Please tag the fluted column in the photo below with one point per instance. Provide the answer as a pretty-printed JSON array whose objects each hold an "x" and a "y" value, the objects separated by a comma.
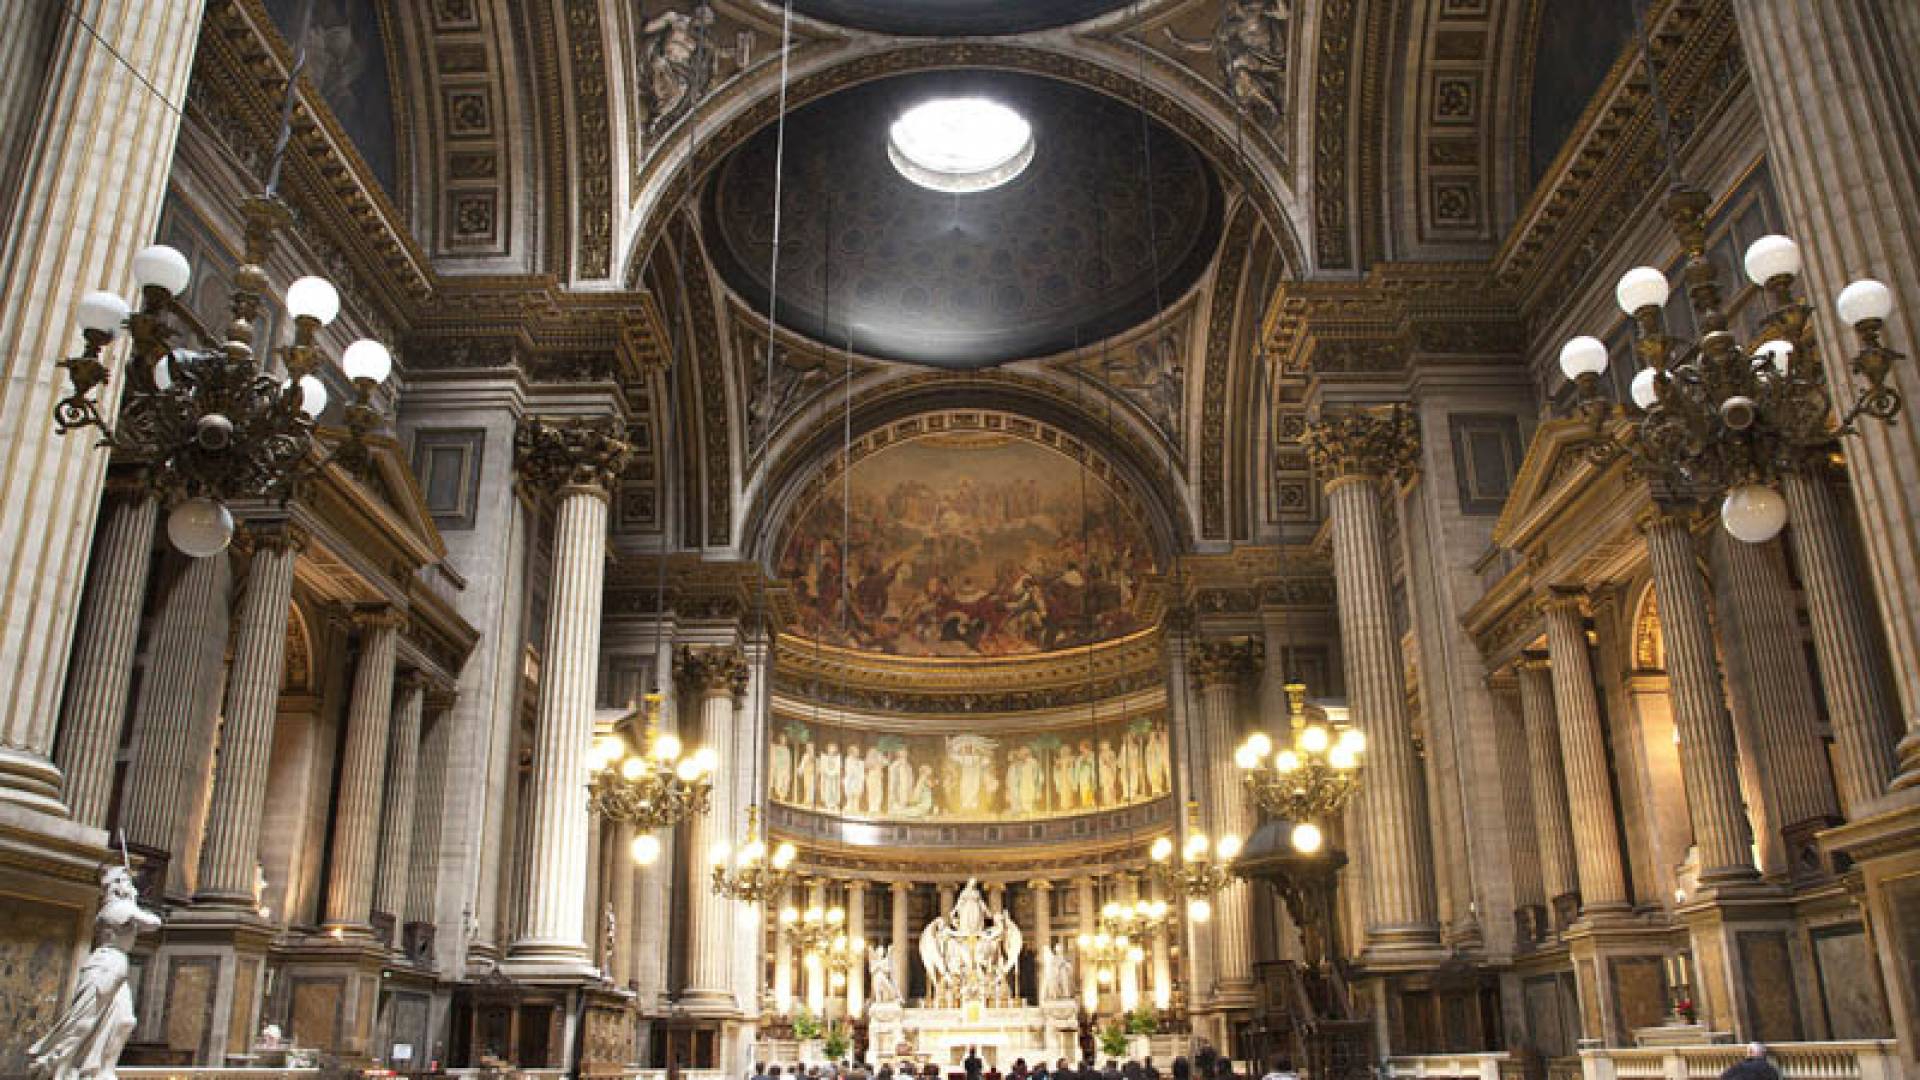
[
  {"x": 857, "y": 931},
  {"x": 1220, "y": 667},
  {"x": 363, "y": 762},
  {"x": 402, "y": 790},
  {"x": 89, "y": 182},
  {"x": 1162, "y": 961},
  {"x": 782, "y": 968},
  {"x": 232, "y": 844},
  {"x": 1042, "y": 934},
  {"x": 423, "y": 875},
  {"x": 1089, "y": 974},
  {"x": 175, "y": 715},
  {"x": 902, "y": 896},
  {"x": 103, "y": 652},
  {"x": 1596, "y": 839},
  {"x": 1547, "y": 780},
  {"x": 1510, "y": 733},
  {"x": 1851, "y": 99},
  {"x": 1762, "y": 626},
  {"x": 1851, "y": 672},
  {"x": 580, "y": 462},
  {"x": 1707, "y": 760},
  {"x": 1129, "y": 978},
  {"x": 713, "y": 677},
  {"x": 810, "y": 962},
  {"x": 1358, "y": 452}
]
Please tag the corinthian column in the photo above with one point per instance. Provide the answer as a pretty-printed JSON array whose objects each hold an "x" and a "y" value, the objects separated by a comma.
[
  {"x": 1548, "y": 783},
  {"x": 713, "y": 677},
  {"x": 1510, "y": 750},
  {"x": 90, "y": 179},
  {"x": 402, "y": 787},
  {"x": 1219, "y": 668},
  {"x": 857, "y": 931},
  {"x": 1851, "y": 672},
  {"x": 1358, "y": 452},
  {"x": 902, "y": 896},
  {"x": 103, "y": 652},
  {"x": 1707, "y": 756},
  {"x": 579, "y": 462},
  {"x": 1851, "y": 99},
  {"x": 423, "y": 876},
  {"x": 356, "y": 817},
  {"x": 1603, "y": 878}
]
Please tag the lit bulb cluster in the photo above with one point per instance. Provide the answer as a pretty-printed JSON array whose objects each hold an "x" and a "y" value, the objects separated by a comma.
[
  {"x": 822, "y": 939},
  {"x": 1717, "y": 419},
  {"x": 656, "y": 786},
  {"x": 751, "y": 873},
  {"x": 210, "y": 423},
  {"x": 1142, "y": 918},
  {"x": 1104, "y": 951},
  {"x": 1204, "y": 867},
  {"x": 1311, "y": 779}
]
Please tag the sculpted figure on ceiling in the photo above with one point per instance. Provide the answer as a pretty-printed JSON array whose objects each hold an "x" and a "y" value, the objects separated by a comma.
[
  {"x": 1250, "y": 44},
  {"x": 676, "y": 62}
]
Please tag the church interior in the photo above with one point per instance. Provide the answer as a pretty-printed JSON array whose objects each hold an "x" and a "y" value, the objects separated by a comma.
[{"x": 651, "y": 538}]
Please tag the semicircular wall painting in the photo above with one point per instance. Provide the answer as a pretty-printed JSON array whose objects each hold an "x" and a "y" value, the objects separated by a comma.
[{"x": 967, "y": 545}]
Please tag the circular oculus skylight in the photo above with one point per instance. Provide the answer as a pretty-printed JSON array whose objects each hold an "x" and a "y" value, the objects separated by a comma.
[{"x": 960, "y": 144}]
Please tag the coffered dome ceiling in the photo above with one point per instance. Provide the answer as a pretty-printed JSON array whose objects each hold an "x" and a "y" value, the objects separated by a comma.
[
  {"x": 952, "y": 17},
  {"x": 1058, "y": 255}
]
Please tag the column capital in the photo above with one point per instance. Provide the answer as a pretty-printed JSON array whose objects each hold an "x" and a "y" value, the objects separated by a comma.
[
  {"x": 1214, "y": 663},
  {"x": 410, "y": 680},
  {"x": 712, "y": 669},
  {"x": 1563, "y": 598},
  {"x": 900, "y": 887},
  {"x": 1364, "y": 443},
  {"x": 271, "y": 534},
  {"x": 579, "y": 452},
  {"x": 1040, "y": 885},
  {"x": 380, "y": 618}
]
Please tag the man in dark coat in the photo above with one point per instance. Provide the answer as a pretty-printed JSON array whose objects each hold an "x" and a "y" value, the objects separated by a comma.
[{"x": 1754, "y": 1066}]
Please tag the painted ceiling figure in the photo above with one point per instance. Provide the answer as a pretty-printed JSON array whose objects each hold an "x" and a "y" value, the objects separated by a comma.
[{"x": 676, "y": 63}]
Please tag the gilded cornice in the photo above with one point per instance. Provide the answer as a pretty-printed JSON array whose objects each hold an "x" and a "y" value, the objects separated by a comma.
[
  {"x": 731, "y": 592},
  {"x": 1250, "y": 579},
  {"x": 1399, "y": 314},
  {"x": 1614, "y": 161},
  {"x": 547, "y": 332}
]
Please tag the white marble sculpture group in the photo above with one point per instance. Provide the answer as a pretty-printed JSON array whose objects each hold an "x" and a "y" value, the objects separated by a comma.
[{"x": 86, "y": 1041}]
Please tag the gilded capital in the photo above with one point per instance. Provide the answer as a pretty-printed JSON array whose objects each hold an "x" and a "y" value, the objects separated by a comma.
[
  {"x": 711, "y": 670},
  {"x": 1214, "y": 663},
  {"x": 576, "y": 451},
  {"x": 276, "y": 535},
  {"x": 1378, "y": 442},
  {"x": 380, "y": 618}
]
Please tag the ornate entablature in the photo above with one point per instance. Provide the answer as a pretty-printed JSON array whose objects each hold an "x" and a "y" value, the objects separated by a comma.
[{"x": 1399, "y": 315}]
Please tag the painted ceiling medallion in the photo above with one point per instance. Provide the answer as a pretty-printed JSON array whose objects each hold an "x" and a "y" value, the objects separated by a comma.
[{"x": 960, "y": 144}]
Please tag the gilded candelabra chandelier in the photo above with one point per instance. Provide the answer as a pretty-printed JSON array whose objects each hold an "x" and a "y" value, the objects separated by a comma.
[
  {"x": 1312, "y": 779},
  {"x": 750, "y": 873},
  {"x": 1139, "y": 919},
  {"x": 212, "y": 424},
  {"x": 821, "y": 936},
  {"x": 652, "y": 786},
  {"x": 1204, "y": 866},
  {"x": 1106, "y": 949},
  {"x": 1720, "y": 419}
]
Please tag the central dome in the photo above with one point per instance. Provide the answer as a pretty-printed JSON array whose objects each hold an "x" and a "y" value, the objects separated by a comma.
[{"x": 1052, "y": 255}]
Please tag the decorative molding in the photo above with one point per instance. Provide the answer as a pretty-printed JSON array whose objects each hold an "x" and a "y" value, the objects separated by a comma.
[
  {"x": 718, "y": 669},
  {"x": 1365, "y": 443},
  {"x": 1227, "y": 662},
  {"x": 1229, "y": 277},
  {"x": 557, "y": 453}
]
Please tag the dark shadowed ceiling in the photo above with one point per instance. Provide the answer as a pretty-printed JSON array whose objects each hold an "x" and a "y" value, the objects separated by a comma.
[
  {"x": 1057, "y": 256},
  {"x": 950, "y": 17}
]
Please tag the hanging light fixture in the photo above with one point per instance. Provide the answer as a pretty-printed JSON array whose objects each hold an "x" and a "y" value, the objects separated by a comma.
[
  {"x": 751, "y": 873},
  {"x": 1202, "y": 868},
  {"x": 1716, "y": 418},
  {"x": 655, "y": 785},
  {"x": 1308, "y": 781}
]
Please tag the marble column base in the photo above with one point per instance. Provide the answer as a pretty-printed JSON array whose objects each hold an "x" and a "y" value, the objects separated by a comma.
[
  {"x": 206, "y": 982},
  {"x": 550, "y": 960},
  {"x": 1746, "y": 945},
  {"x": 1604, "y": 949},
  {"x": 327, "y": 996},
  {"x": 1883, "y": 841}
]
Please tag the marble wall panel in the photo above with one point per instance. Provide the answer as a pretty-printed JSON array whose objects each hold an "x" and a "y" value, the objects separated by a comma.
[
  {"x": 1767, "y": 970},
  {"x": 316, "y": 1012},
  {"x": 1854, "y": 1006},
  {"x": 192, "y": 982},
  {"x": 246, "y": 982},
  {"x": 36, "y": 964},
  {"x": 1639, "y": 992}
]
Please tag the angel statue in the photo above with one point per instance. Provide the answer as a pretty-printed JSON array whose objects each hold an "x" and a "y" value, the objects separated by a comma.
[
  {"x": 1057, "y": 980},
  {"x": 85, "y": 1042},
  {"x": 885, "y": 991}
]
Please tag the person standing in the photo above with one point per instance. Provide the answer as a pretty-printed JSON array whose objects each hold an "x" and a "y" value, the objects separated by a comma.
[{"x": 1754, "y": 1066}]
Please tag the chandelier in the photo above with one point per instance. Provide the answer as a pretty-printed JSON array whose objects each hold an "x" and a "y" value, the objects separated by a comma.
[
  {"x": 1142, "y": 918},
  {"x": 747, "y": 873},
  {"x": 1311, "y": 779},
  {"x": 1203, "y": 868},
  {"x": 211, "y": 424},
  {"x": 657, "y": 785},
  {"x": 1104, "y": 952}
]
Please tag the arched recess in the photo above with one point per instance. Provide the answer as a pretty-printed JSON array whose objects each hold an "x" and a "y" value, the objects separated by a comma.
[
  {"x": 1647, "y": 643},
  {"x": 1134, "y": 466},
  {"x": 680, "y": 165},
  {"x": 297, "y": 673}
]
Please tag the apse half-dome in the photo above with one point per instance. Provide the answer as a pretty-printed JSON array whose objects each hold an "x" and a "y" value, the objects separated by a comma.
[
  {"x": 1060, "y": 255},
  {"x": 966, "y": 545}
]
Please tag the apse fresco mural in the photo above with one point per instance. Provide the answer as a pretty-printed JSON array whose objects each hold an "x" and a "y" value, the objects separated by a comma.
[
  {"x": 967, "y": 545},
  {"x": 972, "y": 776}
]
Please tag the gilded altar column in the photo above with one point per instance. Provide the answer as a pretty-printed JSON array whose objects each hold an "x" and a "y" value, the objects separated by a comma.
[
  {"x": 902, "y": 897},
  {"x": 1707, "y": 754},
  {"x": 1602, "y": 874},
  {"x": 175, "y": 716},
  {"x": 231, "y": 849},
  {"x": 1089, "y": 974},
  {"x": 1220, "y": 668},
  {"x": 1851, "y": 672},
  {"x": 402, "y": 789},
  {"x": 87, "y": 194},
  {"x": 1850, "y": 99},
  {"x": 1547, "y": 783},
  {"x": 580, "y": 462},
  {"x": 1359, "y": 452},
  {"x": 103, "y": 651},
  {"x": 857, "y": 931},
  {"x": 356, "y": 818},
  {"x": 714, "y": 676}
]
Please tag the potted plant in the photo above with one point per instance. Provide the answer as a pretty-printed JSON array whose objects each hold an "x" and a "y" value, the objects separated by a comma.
[
  {"x": 1113, "y": 1041},
  {"x": 807, "y": 1032},
  {"x": 837, "y": 1044},
  {"x": 1141, "y": 1024}
]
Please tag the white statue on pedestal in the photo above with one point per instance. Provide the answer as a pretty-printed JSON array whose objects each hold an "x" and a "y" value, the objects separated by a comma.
[
  {"x": 85, "y": 1042},
  {"x": 1056, "y": 982},
  {"x": 970, "y": 952},
  {"x": 885, "y": 991}
]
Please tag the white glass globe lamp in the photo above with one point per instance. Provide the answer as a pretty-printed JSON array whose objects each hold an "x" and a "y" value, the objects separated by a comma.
[
  {"x": 1640, "y": 288},
  {"x": 1753, "y": 513},
  {"x": 200, "y": 528},
  {"x": 1583, "y": 356}
]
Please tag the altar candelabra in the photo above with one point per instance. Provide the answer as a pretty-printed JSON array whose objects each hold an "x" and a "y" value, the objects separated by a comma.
[
  {"x": 1203, "y": 868},
  {"x": 750, "y": 873},
  {"x": 1310, "y": 780},
  {"x": 653, "y": 786},
  {"x": 210, "y": 425}
]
